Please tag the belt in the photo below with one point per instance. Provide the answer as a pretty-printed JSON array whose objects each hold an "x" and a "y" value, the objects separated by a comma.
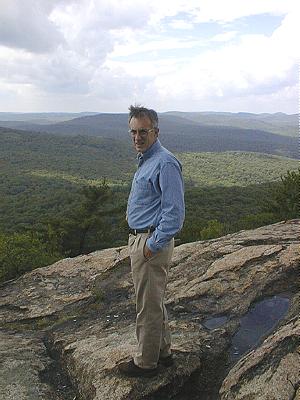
[{"x": 146, "y": 230}]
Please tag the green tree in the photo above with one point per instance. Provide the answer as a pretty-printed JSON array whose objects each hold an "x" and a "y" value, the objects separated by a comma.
[
  {"x": 89, "y": 226},
  {"x": 212, "y": 230},
  {"x": 253, "y": 221},
  {"x": 284, "y": 197},
  {"x": 23, "y": 252}
]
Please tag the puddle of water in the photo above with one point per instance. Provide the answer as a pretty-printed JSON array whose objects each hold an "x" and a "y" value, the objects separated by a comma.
[
  {"x": 259, "y": 321},
  {"x": 215, "y": 322}
]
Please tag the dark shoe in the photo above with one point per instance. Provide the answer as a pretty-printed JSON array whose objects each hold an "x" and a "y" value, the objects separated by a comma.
[
  {"x": 129, "y": 368},
  {"x": 166, "y": 361}
]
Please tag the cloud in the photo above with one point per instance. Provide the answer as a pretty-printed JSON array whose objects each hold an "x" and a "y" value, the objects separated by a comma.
[
  {"x": 26, "y": 25},
  {"x": 60, "y": 72},
  {"x": 181, "y": 24},
  {"x": 255, "y": 65},
  {"x": 215, "y": 10},
  {"x": 224, "y": 37},
  {"x": 104, "y": 54}
]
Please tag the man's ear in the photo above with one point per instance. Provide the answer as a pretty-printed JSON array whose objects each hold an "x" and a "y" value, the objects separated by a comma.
[{"x": 157, "y": 131}]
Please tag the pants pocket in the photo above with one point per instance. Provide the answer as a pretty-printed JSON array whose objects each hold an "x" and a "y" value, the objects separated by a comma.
[
  {"x": 131, "y": 242},
  {"x": 163, "y": 255},
  {"x": 143, "y": 244}
]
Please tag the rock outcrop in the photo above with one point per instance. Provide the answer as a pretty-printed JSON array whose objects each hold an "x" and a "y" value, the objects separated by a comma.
[{"x": 66, "y": 327}]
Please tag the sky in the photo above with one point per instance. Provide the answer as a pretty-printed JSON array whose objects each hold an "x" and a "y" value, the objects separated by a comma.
[{"x": 191, "y": 55}]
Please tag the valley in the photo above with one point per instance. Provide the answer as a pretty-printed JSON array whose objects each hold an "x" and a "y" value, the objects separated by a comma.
[{"x": 230, "y": 176}]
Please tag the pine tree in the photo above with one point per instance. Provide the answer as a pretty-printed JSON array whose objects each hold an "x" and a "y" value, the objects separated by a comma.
[
  {"x": 284, "y": 197},
  {"x": 90, "y": 226}
]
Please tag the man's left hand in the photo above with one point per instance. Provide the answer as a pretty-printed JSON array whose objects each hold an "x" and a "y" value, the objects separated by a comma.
[{"x": 147, "y": 252}]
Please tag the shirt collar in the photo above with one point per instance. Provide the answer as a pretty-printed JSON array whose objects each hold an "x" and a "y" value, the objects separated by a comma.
[{"x": 149, "y": 152}]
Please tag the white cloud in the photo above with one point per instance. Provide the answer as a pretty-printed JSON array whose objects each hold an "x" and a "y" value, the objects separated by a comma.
[
  {"x": 224, "y": 37},
  {"x": 257, "y": 65},
  {"x": 104, "y": 54},
  {"x": 25, "y": 25},
  {"x": 220, "y": 11},
  {"x": 154, "y": 44},
  {"x": 181, "y": 24}
]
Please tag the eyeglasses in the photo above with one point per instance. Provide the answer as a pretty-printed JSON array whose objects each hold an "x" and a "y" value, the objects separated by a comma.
[{"x": 143, "y": 131}]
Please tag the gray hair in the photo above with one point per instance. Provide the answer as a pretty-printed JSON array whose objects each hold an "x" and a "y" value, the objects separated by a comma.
[{"x": 138, "y": 111}]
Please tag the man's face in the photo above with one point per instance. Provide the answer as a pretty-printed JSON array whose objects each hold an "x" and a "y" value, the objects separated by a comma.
[{"x": 141, "y": 141}]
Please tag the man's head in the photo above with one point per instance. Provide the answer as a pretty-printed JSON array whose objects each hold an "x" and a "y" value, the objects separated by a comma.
[{"x": 143, "y": 127}]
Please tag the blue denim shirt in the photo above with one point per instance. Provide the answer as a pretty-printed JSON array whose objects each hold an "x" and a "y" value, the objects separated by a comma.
[{"x": 156, "y": 198}]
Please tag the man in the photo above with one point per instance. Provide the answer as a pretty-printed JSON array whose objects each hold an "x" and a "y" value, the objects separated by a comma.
[{"x": 155, "y": 213}]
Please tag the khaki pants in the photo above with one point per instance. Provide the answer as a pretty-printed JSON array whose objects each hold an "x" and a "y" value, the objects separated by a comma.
[{"x": 150, "y": 281}]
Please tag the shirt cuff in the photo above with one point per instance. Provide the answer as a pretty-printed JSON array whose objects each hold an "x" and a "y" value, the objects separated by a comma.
[{"x": 152, "y": 246}]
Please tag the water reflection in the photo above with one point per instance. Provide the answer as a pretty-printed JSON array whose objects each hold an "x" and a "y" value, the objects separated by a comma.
[{"x": 260, "y": 321}]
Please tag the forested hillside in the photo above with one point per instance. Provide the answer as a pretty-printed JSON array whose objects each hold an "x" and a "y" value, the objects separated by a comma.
[
  {"x": 42, "y": 174},
  {"x": 181, "y": 134},
  {"x": 234, "y": 168},
  {"x": 279, "y": 123},
  {"x": 88, "y": 158},
  {"x": 58, "y": 194}
]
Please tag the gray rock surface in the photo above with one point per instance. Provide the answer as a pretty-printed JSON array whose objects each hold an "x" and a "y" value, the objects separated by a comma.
[
  {"x": 82, "y": 310},
  {"x": 272, "y": 371},
  {"x": 22, "y": 359}
]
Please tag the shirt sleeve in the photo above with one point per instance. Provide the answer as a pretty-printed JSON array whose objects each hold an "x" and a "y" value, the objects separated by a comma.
[{"x": 172, "y": 206}]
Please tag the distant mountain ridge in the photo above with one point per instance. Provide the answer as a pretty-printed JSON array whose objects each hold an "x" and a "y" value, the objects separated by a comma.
[
  {"x": 41, "y": 118},
  {"x": 278, "y": 123},
  {"x": 178, "y": 133}
]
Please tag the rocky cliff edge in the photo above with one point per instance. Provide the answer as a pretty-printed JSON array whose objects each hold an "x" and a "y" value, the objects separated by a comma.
[{"x": 233, "y": 304}]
